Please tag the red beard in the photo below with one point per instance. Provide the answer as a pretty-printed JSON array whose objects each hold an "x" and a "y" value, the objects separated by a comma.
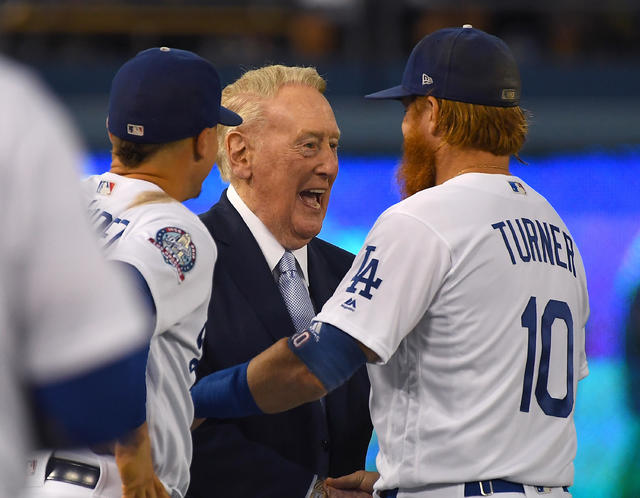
[{"x": 417, "y": 170}]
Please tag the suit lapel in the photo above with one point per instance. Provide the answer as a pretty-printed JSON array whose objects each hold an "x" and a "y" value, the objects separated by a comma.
[{"x": 246, "y": 265}]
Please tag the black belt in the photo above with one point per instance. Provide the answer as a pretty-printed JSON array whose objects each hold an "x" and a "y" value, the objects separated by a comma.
[
  {"x": 487, "y": 488},
  {"x": 72, "y": 472},
  {"x": 389, "y": 493}
]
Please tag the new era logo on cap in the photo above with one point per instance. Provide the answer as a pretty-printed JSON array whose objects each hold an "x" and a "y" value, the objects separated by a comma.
[
  {"x": 137, "y": 130},
  {"x": 426, "y": 79},
  {"x": 509, "y": 94}
]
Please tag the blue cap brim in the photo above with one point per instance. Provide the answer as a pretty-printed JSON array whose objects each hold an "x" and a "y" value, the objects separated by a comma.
[
  {"x": 396, "y": 92},
  {"x": 228, "y": 118}
]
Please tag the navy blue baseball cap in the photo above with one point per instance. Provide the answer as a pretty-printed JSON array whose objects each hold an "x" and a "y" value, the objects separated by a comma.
[
  {"x": 462, "y": 64},
  {"x": 166, "y": 94}
]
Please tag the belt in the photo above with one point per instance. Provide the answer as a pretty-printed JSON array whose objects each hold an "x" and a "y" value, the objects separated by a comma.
[
  {"x": 484, "y": 488},
  {"x": 72, "y": 472},
  {"x": 488, "y": 488}
]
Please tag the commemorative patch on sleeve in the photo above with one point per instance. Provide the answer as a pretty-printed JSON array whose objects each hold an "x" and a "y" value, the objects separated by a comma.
[{"x": 177, "y": 249}]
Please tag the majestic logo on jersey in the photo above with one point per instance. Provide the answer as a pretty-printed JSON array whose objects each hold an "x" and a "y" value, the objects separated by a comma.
[
  {"x": 366, "y": 275},
  {"x": 105, "y": 187},
  {"x": 517, "y": 188},
  {"x": 134, "y": 129},
  {"x": 349, "y": 304},
  {"x": 177, "y": 249}
]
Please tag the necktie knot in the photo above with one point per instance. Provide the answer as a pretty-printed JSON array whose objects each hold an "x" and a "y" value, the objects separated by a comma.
[{"x": 287, "y": 263}]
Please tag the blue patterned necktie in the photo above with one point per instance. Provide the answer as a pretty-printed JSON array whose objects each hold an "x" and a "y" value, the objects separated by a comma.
[
  {"x": 294, "y": 292},
  {"x": 296, "y": 297}
]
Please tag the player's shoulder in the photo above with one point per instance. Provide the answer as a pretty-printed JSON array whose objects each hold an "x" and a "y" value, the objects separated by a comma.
[
  {"x": 167, "y": 212},
  {"x": 141, "y": 202},
  {"x": 149, "y": 211},
  {"x": 420, "y": 206}
]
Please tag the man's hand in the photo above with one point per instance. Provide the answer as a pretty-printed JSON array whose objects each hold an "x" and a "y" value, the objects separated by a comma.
[
  {"x": 356, "y": 485},
  {"x": 133, "y": 457}
]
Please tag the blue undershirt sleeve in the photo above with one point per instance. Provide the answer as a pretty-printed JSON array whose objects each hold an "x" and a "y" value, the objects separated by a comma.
[
  {"x": 330, "y": 354},
  {"x": 224, "y": 394},
  {"x": 93, "y": 408}
]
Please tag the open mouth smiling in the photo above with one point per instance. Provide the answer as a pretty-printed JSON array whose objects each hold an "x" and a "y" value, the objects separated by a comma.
[{"x": 312, "y": 197}]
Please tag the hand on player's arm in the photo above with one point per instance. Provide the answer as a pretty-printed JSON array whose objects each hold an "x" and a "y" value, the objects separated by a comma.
[
  {"x": 356, "y": 485},
  {"x": 135, "y": 464},
  {"x": 278, "y": 379}
]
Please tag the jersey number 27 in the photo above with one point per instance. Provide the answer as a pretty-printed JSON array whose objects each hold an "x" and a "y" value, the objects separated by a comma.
[{"x": 554, "y": 310}]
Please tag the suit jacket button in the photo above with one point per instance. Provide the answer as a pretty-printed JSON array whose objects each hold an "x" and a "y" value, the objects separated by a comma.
[{"x": 325, "y": 445}]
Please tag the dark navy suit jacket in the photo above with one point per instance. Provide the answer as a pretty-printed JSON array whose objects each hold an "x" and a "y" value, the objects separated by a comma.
[{"x": 270, "y": 456}]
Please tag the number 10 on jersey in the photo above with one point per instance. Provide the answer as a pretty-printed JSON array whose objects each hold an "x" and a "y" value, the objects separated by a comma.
[{"x": 554, "y": 310}]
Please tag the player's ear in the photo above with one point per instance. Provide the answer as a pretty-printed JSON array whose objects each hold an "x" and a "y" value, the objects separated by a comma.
[
  {"x": 432, "y": 114},
  {"x": 238, "y": 152}
]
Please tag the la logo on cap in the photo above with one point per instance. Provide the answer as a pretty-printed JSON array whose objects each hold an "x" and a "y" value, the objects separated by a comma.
[{"x": 426, "y": 79}]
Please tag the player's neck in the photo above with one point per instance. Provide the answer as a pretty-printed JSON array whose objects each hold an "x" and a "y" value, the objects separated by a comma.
[
  {"x": 148, "y": 176},
  {"x": 158, "y": 171},
  {"x": 454, "y": 161}
]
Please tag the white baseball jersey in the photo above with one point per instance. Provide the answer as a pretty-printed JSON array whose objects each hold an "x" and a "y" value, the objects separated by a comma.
[
  {"x": 54, "y": 283},
  {"x": 175, "y": 254},
  {"x": 474, "y": 295}
]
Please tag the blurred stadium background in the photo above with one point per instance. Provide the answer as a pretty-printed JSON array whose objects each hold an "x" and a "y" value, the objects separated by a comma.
[{"x": 580, "y": 68}]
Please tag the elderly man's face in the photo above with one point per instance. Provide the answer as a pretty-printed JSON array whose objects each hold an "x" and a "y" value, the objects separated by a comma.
[{"x": 294, "y": 164}]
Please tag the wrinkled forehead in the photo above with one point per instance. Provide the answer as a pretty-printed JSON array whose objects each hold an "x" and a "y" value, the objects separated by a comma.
[{"x": 300, "y": 108}]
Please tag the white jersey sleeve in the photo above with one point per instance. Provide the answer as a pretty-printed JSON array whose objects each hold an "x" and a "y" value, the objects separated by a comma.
[
  {"x": 380, "y": 300},
  {"x": 76, "y": 313},
  {"x": 63, "y": 310}
]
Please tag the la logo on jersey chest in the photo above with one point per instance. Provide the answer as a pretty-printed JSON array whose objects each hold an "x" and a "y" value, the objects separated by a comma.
[{"x": 364, "y": 280}]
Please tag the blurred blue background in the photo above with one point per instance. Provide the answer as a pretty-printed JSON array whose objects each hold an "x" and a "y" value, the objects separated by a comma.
[{"x": 580, "y": 66}]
